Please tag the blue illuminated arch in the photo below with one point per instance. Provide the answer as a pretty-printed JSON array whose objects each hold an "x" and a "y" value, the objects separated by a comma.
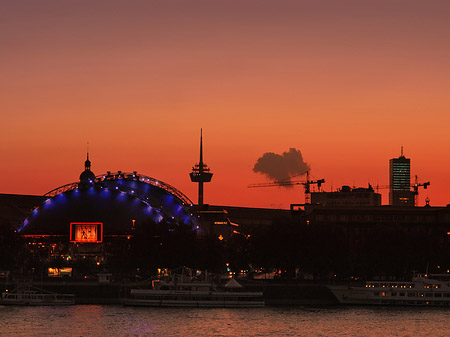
[{"x": 145, "y": 195}]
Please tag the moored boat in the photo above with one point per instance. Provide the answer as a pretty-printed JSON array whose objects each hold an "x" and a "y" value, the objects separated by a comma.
[
  {"x": 422, "y": 290},
  {"x": 34, "y": 296},
  {"x": 182, "y": 291}
]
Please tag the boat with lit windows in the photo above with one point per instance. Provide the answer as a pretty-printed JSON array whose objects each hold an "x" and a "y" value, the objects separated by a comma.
[
  {"x": 422, "y": 290},
  {"x": 34, "y": 296},
  {"x": 190, "y": 291}
]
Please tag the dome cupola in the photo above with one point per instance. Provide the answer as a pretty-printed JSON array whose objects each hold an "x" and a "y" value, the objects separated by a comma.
[{"x": 87, "y": 176}]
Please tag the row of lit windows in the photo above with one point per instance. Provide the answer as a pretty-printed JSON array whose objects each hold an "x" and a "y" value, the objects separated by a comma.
[
  {"x": 412, "y": 294},
  {"x": 400, "y": 285},
  {"x": 380, "y": 218}
]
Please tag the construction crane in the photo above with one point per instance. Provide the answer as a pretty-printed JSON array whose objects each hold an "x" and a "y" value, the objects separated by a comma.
[
  {"x": 288, "y": 182},
  {"x": 415, "y": 188},
  {"x": 417, "y": 185}
]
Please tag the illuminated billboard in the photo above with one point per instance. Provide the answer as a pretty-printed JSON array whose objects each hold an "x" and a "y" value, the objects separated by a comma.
[
  {"x": 59, "y": 272},
  {"x": 91, "y": 232}
]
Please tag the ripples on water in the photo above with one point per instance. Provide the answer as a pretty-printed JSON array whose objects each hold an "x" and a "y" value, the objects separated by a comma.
[{"x": 93, "y": 320}]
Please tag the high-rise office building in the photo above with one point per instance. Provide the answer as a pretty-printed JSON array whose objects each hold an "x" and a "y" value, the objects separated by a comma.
[{"x": 400, "y": 193}]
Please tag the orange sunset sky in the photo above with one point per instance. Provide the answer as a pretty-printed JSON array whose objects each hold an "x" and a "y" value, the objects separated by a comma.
[{"x": 345, "y": 82}]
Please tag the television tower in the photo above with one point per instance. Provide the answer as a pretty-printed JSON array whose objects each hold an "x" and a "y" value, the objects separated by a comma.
[{"x": 200, "y": 173}]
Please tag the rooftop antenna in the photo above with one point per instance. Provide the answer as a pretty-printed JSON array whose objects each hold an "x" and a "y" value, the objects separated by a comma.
[
  {"x": 401, "y": 152},
  {"x": 87, "y": 163}
]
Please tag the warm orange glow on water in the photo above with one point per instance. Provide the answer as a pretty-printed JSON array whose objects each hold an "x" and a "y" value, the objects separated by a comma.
[
  {"x": 95, "y": 320},
  {"x": 347, "y": 84}
]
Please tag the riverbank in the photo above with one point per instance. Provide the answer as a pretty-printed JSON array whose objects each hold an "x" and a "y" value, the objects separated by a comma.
[{"x": 275, "y": 294}]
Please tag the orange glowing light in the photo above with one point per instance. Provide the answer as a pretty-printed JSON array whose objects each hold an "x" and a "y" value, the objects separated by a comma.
[{"x": 91, "y": 232}]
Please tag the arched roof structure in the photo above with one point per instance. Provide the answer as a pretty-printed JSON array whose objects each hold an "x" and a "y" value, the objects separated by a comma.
[{"x": 115, "y": 199}]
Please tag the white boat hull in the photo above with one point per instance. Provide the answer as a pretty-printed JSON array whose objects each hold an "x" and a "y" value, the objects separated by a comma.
[
  {"x": 370, "y": 296},
  {"x": 201, "y": 299},
  {"x": 36, "y": 299}
]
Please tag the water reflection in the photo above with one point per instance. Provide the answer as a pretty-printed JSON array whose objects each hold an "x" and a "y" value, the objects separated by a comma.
[{"x": 92, "y": 320}]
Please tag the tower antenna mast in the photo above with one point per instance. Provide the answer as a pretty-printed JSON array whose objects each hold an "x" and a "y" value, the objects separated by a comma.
[{"x": 200, "y": 172}]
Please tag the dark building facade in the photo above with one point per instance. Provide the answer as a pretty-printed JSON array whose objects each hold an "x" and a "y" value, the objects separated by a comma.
[
  {"x": 378, "y": 242},
  {"x": 400, "y": 193},
  {"x": 244, "y": 220},
  {"x": 347, "y": 197},
  {"x": 131, "y": 221},
  {"x": 14, "y": 208},
  {"x": 95, "y": 221},
  {"x": 117, "y": 221}
]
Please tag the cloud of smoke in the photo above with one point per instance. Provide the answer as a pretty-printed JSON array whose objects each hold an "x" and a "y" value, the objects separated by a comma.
[{"x": 281, "y": 167}]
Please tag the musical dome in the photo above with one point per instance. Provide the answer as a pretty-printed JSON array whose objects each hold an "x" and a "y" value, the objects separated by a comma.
[{"x": 118, "y": 201}]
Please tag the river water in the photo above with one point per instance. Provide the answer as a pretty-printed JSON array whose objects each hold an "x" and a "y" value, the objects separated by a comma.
[{"x": 98, "y": 320}]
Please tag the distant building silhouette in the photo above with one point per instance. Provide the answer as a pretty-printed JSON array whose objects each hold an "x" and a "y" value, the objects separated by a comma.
[
  {"x": 347, "y": 197},
  {"x": 400, "y": 193},
  {"x": 95, "y": 219}
]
